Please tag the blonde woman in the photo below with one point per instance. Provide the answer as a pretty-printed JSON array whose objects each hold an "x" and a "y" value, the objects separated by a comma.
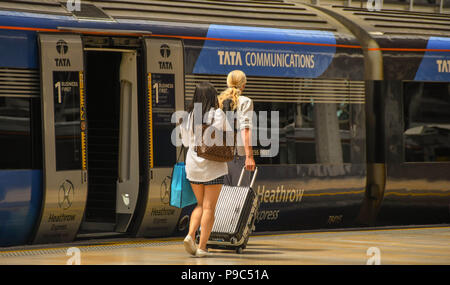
[{"x": 232, "y": 99}]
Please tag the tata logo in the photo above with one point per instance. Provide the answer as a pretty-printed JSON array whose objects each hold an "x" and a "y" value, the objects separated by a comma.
[
  {"x": 62, "y": 48},
  {"x": 443, "y": 65},
  {"x": 229, "y": 57},
  {"x": 164, "y": 50},
  {"x": 165, "y": 65},
  {"x": 65, "y": 195}
]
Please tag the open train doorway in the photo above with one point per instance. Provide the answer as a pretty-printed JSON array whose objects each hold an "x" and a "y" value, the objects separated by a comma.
[{"x": 112, "y": 141}]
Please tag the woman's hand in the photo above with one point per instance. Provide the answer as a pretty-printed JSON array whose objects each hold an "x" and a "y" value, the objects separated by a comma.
[{"x": 250, "y": 163}]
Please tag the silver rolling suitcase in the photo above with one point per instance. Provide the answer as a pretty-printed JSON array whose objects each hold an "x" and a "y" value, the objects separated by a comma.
[{"x": 235, "y": 216}]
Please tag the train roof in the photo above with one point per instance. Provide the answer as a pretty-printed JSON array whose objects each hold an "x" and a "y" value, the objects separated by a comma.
[
  {"x": 277, "y": 14},
  {"x": 292, "y": 14},
  {"x": 398, "y": 22}
]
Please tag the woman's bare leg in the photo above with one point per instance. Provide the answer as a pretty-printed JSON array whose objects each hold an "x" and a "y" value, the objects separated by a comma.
[
  {"x": 196, "y": 216},
  {"x": 209, "y": 205}
]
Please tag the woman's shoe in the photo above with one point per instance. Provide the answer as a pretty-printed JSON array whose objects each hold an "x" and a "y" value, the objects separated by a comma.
[
  {"x": 189, "y": 245},
  {"x": 202, "y": 253}
]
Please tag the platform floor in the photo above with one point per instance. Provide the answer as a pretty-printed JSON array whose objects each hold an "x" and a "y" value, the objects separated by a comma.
[{"x": 418, "y": 245}]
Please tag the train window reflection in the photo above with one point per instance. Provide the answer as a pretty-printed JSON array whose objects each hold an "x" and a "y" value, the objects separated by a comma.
[
  {"x": 309, "y": 133},
  {"x": 427, "y": 121},
  {"x": 15, "y": 133}
]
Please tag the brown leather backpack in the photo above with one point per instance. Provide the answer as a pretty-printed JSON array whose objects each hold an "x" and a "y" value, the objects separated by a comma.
[{"x": 220, "y": 153}]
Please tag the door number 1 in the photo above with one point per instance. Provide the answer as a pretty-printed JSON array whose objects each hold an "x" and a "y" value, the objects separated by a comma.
[
  {"x": 156, "y": 86},
  {"x": 58, "y": 85}
]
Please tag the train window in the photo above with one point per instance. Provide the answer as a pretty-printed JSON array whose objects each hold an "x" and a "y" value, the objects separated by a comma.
[
  {"x": 309, "y": 133},
  {"x": 15, "y": 133},
  {"x": 427, "y": 121}
]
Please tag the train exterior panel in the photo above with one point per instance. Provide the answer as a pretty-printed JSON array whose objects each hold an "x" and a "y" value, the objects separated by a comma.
[
  {"x": 20, "y": 203},
  {"x": 414, "y": 104}
]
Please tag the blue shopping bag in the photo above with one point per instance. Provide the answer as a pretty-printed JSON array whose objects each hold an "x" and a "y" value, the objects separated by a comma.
[{"x": 181, "y": 194}]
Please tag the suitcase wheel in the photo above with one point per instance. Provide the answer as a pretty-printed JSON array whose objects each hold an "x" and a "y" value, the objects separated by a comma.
[{"x": 239, "y": 250}]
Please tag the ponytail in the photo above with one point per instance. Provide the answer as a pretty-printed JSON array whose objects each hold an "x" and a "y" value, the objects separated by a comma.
[
  {"x": 231, "y": 93},
  {"x": 236, "y": 81}
]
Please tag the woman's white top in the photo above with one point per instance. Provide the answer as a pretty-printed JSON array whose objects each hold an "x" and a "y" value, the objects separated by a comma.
[
  {"x": 200, "y": 169},
  {"x": 244, "y": 120},
  {"x": 245, "y": 113}
]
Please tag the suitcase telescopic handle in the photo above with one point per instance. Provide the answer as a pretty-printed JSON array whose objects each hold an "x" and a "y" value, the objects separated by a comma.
[{"x": 253, "y": 178}]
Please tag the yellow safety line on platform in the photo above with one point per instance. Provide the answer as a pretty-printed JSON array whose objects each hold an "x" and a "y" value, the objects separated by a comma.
[{"x": 94, "y": 245}]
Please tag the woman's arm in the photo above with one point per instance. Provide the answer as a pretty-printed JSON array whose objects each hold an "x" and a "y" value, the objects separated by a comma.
[
  {"x": 245, "y": 114},
  {"x": 249, "y": 160}
]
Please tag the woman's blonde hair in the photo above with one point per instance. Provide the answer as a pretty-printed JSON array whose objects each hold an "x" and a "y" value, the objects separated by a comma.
[{"x": 236, "y": 81}]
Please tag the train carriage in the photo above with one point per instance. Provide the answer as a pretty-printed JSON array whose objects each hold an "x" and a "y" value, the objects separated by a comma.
[{"x": 87, "y": 95}]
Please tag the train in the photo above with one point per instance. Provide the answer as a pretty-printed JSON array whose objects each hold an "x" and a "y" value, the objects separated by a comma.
[{"x": 88, "y": 90}]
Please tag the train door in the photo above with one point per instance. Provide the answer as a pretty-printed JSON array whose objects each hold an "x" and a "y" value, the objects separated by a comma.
[
  {"x": 64, "y": 137},
  {"x": 112, "y": 139},
  {"x": 165, "y": 87}
]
